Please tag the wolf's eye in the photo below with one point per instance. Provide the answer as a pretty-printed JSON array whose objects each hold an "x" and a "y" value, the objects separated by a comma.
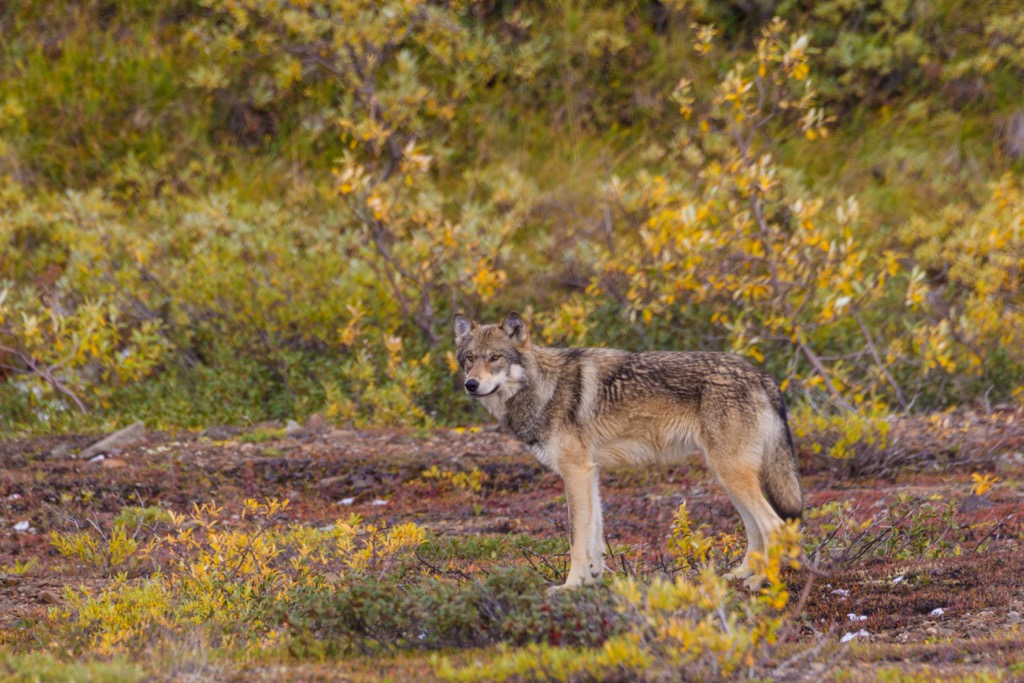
[
  {"x": 496, "y": 357},
  {"x": 469, "y": 359}
]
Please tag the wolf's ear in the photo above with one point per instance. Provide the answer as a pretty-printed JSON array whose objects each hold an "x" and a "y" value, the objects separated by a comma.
[
  {"x": 515, "y": 327},
  {"x": 463, "y": 326}
]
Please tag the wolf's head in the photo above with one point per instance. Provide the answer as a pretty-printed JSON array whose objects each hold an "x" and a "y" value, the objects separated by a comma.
[{"x": 491, "y": 356}]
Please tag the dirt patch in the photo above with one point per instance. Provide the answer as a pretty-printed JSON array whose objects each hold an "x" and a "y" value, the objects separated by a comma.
[{"x": 953, "y": 601}]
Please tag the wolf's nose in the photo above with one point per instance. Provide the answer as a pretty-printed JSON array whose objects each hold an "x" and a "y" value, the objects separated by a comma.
[{"x": 472, "y": 385}]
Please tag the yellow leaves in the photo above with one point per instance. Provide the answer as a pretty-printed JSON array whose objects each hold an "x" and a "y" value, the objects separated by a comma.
[
  {"x": 348, "y": 335},
  {"x": 209, "y": 77},
  {"x": 702, "y": 622},
  {"x": 682, "y": 95},
  {"x": 377, "y": 207},
  {"x": 452, "y": 361},
  {"x": 624, "y": 654},
  {"x": 220, "y": 577},
  {"x": 917, "y": 290},
  {"x": 733, "y": 89},
  {"x": 486, "y": 281},
  {"x": 470, "y": 482},
  {"x": 982, "y": 483},
  {"x": 705, "y": 36},
  {"x": 350, "y": 179}
]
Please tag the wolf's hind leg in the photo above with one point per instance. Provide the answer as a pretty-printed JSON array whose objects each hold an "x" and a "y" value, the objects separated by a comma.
[
  {"x": 754, "y": 541},
  {"x": 742, "y": 482}
]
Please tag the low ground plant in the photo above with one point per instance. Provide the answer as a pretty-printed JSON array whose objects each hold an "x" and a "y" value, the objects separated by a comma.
[
  {"x": 690, "y": 627},
  {"x": 225, "y": 581}
]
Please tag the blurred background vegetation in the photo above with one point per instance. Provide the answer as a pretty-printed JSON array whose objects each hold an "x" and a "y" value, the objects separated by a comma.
[{"x": 222, "y": 211}]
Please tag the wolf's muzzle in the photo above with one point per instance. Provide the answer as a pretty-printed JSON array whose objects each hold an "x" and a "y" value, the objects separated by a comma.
[{"x": 472, "y": 385}]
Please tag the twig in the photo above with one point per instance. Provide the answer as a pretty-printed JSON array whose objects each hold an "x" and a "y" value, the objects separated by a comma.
[{"x": 434, "y": 569}]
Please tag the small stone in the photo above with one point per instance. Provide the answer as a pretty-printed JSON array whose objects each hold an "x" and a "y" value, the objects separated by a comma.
[
  {"x": 98, "y": 458},
  {"x": 218, "y": 433},
  {"x": 850, "y": 636},
  {"x": 1013, "y": 618},
  {"x": 21, "y": 526},
  {"x": 360, "y": 483},
  {"x": 61, "y": 450},
  {"x": 316, "y": 424},
  {"x": 129, "y": 436},
  {"x": 975, "y": 502},
  {"x": 292, "y": 428},
  {"x": 48, "y": 598}
]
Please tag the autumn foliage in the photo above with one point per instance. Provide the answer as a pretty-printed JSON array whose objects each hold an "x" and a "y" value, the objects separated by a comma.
[{"x": 265, "y": 210}]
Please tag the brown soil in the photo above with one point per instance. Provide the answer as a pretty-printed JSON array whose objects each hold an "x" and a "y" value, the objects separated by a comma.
[{"x": 979, "y": 592}]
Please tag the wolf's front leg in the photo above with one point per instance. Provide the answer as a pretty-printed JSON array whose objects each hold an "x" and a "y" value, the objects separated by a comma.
[{"x": 586, "y": 553}]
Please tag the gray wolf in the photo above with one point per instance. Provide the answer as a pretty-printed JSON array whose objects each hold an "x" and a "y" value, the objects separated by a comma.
[{"x": 583, "y": 409}]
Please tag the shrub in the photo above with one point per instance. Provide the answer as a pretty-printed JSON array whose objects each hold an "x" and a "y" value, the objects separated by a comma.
[
  {"x": 227, "y": 583},
  {"x": 506, "y": 606},
  {"x": 678, "y": 628},
  {"x": 42, "y": 667}
]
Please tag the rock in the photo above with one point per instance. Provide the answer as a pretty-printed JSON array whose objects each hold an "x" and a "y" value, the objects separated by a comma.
[
  {"x": 49, "y": 598},
  {"x": 129, "y": 436},
  {"x": 292, "y": 429},
  {"x": 333, "y": 487},
  {"x": 316, "y": 424},
  {"x": 975, "y": 502},
  {"x": 1011, "y": 137},
  {"x": 1013, "y": 618},
  {"x": 219, "y": 433},
  {"x": 61, "y": 450},
  {"x": 361, "y": 483}
]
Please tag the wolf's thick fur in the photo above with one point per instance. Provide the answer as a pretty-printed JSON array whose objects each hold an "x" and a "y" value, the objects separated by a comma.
[{"x": 579, "y": 410}]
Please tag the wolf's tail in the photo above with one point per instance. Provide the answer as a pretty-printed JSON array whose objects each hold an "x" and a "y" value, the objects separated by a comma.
[{"x": 779, "y": 481}]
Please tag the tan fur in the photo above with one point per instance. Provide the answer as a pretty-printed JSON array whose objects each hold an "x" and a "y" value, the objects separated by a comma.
[{"x": 580, "y": 410}]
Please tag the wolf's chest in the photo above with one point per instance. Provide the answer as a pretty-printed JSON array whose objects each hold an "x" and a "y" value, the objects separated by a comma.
[{"x": 545, "y": 455}]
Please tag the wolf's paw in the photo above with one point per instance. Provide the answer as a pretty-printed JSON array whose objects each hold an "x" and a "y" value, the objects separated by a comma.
[
  {"x": 743, "y": 571},
  {"x": 755, "y": 582},
  {"x": 555, "y": 590}
]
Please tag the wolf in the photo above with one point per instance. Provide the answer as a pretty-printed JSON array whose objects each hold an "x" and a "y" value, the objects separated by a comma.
[{"x": 580, "y": 410}]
